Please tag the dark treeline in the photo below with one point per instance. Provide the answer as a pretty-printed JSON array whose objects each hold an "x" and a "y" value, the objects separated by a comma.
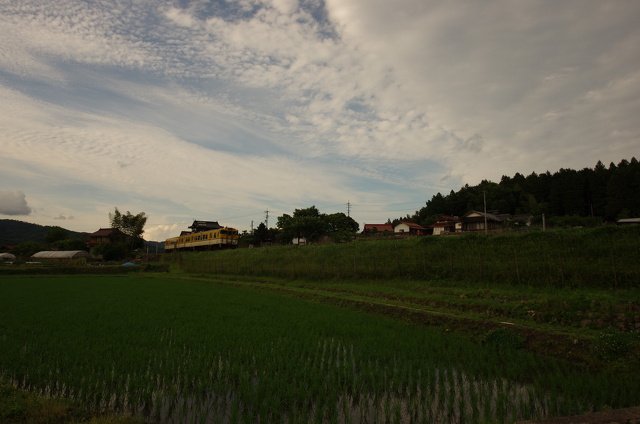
[
  {"x": 601, "y": 194},
  {"x": 16, "y": 232}
]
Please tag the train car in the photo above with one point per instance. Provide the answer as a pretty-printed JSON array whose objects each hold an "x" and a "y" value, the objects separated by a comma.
[{"x": 221, "y": 238}]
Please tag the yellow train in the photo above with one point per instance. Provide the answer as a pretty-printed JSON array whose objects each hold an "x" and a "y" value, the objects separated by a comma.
[{"x": 220, "y": 238}]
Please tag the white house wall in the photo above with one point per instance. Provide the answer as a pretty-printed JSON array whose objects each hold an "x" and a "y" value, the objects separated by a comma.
[{"x": 401, "y": 228}]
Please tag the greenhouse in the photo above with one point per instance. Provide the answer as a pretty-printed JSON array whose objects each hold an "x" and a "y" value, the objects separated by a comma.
[{"x": 61, "y": 254}]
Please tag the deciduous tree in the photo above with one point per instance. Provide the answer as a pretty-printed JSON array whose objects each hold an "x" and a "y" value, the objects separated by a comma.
[{"x": 131, "y": 225}]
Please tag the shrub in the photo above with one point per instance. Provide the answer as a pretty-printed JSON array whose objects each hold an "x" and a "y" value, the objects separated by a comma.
[{"x": 111, "y": 251}]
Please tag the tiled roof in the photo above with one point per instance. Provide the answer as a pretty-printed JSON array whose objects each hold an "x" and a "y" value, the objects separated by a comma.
[
  {"x": 379, "y": 227},
  {"x": 104, "y": 232},
  {"x": 413, "y": 225}
]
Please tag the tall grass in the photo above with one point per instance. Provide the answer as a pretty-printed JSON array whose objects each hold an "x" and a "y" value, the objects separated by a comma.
[
  {"x": 187, "y": 352},
  {"x": 604, "y": 257}
]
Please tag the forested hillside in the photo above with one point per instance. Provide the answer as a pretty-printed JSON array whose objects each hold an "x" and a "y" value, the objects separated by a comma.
[
  {"x": 16, "y": 232},
  {"x": 601, "y": 194}
]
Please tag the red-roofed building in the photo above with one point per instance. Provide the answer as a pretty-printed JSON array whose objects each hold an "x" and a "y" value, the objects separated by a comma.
[{"x": 377, "y": 228}]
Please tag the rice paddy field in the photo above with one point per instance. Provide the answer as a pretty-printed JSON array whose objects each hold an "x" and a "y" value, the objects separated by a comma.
[{"x": 182, "y": 350}]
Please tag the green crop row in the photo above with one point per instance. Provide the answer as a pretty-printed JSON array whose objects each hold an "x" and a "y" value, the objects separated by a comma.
[{"x": 184, "y": 351}]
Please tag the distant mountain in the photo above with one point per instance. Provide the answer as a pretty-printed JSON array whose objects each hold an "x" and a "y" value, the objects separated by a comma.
[{"x": 16, "y": 232}]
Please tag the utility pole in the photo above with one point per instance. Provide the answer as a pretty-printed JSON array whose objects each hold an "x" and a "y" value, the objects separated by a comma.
[
  {"x": 348, "y": 208},
  {"x": 266, "y": 220},
  {"x": 484, "y": 196}
]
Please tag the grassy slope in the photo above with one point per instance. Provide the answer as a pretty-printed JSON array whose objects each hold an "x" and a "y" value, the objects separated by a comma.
[{"x": 573, "y": 294}]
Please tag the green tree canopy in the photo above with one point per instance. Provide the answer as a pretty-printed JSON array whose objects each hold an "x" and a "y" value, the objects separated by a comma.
[
  {"x": 131, "y": 225},
  {"x": 604, "y": 193},
  {"x": 305, "y": 223},
  {"x": 311, "y": 225},
  {"x": 70, "y": 244},
  {"x": 55, "y": 234},
  {"x": 26, "y": 249},
  {"x": 341, "y": 227}
]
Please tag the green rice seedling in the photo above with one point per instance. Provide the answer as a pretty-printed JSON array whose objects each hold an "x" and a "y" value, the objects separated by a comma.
[{"x": 200, "y": 352}]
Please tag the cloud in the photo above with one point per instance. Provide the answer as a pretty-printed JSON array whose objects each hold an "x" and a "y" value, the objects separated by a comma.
[
  {"x": 193, "y": 108},
  {"x": 162, "y": 232},
  {"x": 13, "y": 203},
  {"x": 473, "y": 143}
]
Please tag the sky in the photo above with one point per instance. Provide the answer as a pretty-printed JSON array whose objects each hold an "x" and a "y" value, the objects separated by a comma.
[{"x": 239, "y": 111}]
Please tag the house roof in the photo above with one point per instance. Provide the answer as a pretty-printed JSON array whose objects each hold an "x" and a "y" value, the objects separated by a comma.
[
  {"x": 61, "y": 254},
  {"x": 379, "y": 227},
  {"x": 413, "y": 225},
  {"x": 469, "y": 216},
  {"x": 446, "y": 218},
  {"x": 104, "y": 232}
]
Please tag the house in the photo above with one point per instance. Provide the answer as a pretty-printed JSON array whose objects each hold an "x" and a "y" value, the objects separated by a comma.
[
  {"x": 377, "y": 228},
  {"x": 444, "y": 224},
  {"x": 6, "y": 248},
  {"x": 406, "y": 227},
  {"x": 475, "y": 221},
  {"x": 106, "y": 235}
]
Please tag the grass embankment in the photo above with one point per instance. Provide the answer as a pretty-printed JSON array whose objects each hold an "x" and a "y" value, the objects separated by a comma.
[{"x": 574, "y": 294}]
